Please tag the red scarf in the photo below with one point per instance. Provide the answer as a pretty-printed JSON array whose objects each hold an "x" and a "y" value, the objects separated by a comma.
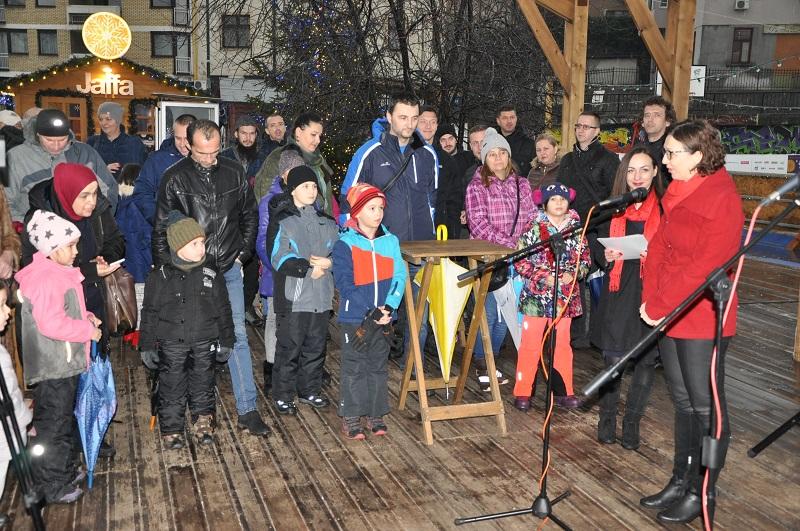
[
  {"x": 647, "y": 212},
  {"x": 677, "y": 191}
]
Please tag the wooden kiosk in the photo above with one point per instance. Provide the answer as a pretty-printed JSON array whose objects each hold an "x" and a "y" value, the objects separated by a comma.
[{"x": 428, "y": 254}]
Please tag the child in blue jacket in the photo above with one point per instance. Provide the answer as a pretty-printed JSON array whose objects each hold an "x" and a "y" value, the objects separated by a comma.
[{"x": 370, "y": 275}]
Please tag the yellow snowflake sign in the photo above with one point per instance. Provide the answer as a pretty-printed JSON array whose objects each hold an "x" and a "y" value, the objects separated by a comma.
[{"x": 106, "y": 35}]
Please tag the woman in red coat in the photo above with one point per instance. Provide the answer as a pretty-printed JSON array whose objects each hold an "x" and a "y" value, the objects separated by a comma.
[{"x": 700, "y": 229}]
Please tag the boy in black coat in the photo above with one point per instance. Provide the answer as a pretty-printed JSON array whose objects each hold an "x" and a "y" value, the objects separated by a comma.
[{"x": 186, "y": 326}]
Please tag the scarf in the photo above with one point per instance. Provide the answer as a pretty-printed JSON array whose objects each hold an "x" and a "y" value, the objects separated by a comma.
[
  {"x": 647, "y": 212},
  {"x": 182, "y": 264},
  {"x": 316, "y": 162},
  {"x": 677, "y": 191}
]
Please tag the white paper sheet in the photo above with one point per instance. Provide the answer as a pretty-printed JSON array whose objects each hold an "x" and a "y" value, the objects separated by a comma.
[{"x": 631, "y": 246}]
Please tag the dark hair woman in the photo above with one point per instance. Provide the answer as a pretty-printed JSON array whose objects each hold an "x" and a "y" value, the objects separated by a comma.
[
  {"x": 617, "y": 327},
  {"x": 701, "y": 229}
]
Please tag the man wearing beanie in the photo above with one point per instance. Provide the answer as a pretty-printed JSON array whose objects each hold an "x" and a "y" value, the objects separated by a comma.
[
  {"x": 300, "y": 238},
  {"x": 186, "y": 328},
  {"x": 115, "y": 146},
  {"x": 49, "y": 143},
  {"x": 247, "y": 152},
  {"x": 214, "y": 191}
]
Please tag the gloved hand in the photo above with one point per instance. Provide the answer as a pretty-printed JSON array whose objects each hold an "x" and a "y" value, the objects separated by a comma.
[
  {"x": 366, "y": 329},
  {"x": 223, "y": 353},
  {"x": 150, "y": 359},
  {"x": 394, "y": 340}
]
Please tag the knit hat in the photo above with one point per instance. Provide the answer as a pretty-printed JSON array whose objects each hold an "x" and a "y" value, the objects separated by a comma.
[
  {"x": 493, "y": 140},
  {"x": 113, "y": 108},
  {"x": 47, "y": 232},
  {"x": 243, "y": 120},
  {"x": 9, "y": 117},
  {"x": 445, "y": 129},
  {"x": 298, "y": 176},
  {"x": 360, "y": 194},
  {"x": 543, "y": 194},
  {"x": 69, "y": 180},
  {"x": 182, "y": 230},
  {"x": 52, "y": 122},
  {"x": 290, "y": 158}
]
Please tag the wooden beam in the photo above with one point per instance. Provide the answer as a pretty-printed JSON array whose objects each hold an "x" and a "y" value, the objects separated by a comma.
[
  {"x": 562, "y": 8},
  {"x": 671, "y": 36},
  {"x": 546, "y": 41},
  {"x": 682, "y": 54},
  {"x": 575, "y": 44},
  {"x": 655, "y": 43},
  {"x": 567, "y": 129}
]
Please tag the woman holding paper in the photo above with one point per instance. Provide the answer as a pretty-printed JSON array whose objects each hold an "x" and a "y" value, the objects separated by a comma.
[
  {"x": 701, "y": 228},
  {"x": 617, "y": 327}
]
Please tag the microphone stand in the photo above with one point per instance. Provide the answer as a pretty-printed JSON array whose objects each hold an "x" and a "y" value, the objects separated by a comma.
[{"x": 714, "y": 449}]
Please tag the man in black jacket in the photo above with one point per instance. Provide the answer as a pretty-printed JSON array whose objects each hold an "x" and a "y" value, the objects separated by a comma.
[
  {"x": 215, "y": 192},
  {"x": 589, "y": 169},
  {"x": 658, "y": 115},
  {"x": 447, "y": 211},
  {"x": 521, "y": 145}
]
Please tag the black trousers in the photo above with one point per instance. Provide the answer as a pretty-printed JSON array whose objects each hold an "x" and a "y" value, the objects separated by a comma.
[
  {"x": 299, "y": 354},
  {"x": 54, "y": 425},
  {"x": 687, "y": 368},
  {"x": 185, "y": 372},
  {"x": 364, "y": 376},
  {"x": 250, "y": 282}
]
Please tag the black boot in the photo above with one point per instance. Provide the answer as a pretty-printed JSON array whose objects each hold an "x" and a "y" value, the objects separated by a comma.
[
  {"x": 684, "y": 430},
  {"x": 674, "y": 490},
  {"x": 609, "y": 397},
  {"x": 267, "y": 378},
  {"x": 636, "y": 402},
  {"x": 683, "y": 511}
]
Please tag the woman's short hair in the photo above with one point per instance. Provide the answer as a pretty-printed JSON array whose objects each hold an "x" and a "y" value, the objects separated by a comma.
[
  {"x": 620, "y": 185},
  {"x": 699, "y": 135},
  {"x": 546, "y": 136}
]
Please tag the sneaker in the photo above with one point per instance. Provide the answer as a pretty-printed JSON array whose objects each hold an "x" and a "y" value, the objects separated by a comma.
[
  {"x": 523, "y": 403},
  {"x": 569, "y": 402},
  {"x": 317, "y": 401},
  {"x": 204, "y": 429},
  {"x": 351, "y": 429},
  {"x": 483, "y": 380},
  {"x": 286, "y": 407},
  {"x": 173, "y": 441},
  {"x": 72, "y": 495},
  {"x": 251, "y": 421},
  {"x": 377, "y": 425}
]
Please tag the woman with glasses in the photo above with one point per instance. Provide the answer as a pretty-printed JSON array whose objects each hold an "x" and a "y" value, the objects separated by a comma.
[
  {"x": 700, "y": 230},
  {"x": 616, "y": 327}
]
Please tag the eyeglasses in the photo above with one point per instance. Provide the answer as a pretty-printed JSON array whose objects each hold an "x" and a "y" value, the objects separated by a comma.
[
  {"x": 669, "y": 153},
  {"x": 585, "y": 126}
]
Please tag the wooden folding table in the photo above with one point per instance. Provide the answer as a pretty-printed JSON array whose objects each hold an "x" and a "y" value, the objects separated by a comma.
[{"x": 428, "y": 254}]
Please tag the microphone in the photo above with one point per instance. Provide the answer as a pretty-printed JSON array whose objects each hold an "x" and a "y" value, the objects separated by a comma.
[
  {"x": 636, "y": 195},
  {"x": 788, "y": 186}
]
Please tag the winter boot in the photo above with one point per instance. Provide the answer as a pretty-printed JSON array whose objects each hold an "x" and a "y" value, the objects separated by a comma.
[
  {"x": 609, "y": 397},
  {"x": 635, "y": 404},
  {"x": 685, "y": 434},
  {"x": 268, "y": 378}
]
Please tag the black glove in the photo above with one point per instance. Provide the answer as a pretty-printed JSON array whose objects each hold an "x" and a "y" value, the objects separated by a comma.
[
  {"x": 394, "y": 340},
  {"x": 366, "y": 330},
  {"x": 150, "y": 359},
  {"x": 223, "y": 353}
]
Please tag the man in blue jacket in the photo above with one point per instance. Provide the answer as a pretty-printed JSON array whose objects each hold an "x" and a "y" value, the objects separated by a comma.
[{"x": 172, "y": 150}]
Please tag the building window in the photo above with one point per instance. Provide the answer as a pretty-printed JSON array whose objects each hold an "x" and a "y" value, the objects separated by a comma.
[
  {"x": 162, "y": 44},
  {"x": 663, "y": 4},
  {"x": 742, "y": 43},
  {"x": 45, "y": 3},
  {"x": 77, "y": 19},
  {"x": 48, "y": 42},
  {"x": 162, "y": 3},
  {"x": 236, "y": 31},
  {"x": 15, "y": 3},
  {"x": 76, "y": 45},
  {"x": 17, "y": 42}
]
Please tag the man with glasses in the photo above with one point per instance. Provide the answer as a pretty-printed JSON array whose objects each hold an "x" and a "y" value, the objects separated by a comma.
[
  {"x": 215, "y": 192},
  {"x": 658, "y": 115},
  {"x": 589, "y": 169}
]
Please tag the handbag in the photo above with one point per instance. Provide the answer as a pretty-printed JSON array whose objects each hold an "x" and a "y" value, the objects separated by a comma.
[
  {"x": 121, "y": 310},
  {"x": 500, "y": 273}
]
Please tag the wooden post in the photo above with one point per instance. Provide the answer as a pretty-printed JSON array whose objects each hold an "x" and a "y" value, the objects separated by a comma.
[
  {"x": 683, "y": 51},
  {"x": 659, "y": 49},
  {"x": 575, "y": 47}
]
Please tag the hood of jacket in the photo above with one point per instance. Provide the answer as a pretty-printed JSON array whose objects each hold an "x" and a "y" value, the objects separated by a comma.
[{"x": 381, "y": 131}]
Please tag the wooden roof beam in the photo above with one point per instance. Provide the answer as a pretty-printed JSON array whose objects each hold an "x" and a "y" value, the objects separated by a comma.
[
  {"x": 545, "y": 39},
  {"x": 563, "y": 8},
  {"x": 655, "y": 43}
]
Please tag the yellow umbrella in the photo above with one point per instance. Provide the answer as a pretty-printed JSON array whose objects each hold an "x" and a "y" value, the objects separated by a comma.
[{"x": 446, "y": 302}]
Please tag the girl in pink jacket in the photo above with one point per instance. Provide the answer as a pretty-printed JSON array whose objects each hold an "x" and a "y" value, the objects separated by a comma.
[{"x": 56, "y": 331}]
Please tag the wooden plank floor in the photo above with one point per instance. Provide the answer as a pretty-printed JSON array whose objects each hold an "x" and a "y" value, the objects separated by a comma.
[{"x": 305, "y": 476}]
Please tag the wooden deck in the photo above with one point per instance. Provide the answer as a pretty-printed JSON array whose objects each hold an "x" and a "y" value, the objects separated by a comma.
[{"x": 306, "y": 476}]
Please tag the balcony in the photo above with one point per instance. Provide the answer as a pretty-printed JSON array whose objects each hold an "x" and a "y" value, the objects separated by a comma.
[
  {"x": 183, "y": 65},
  {"x": 78, "y": 13},
  {"x": 180, "y": 16},
  {"x": 2, "y": 14},
  {"x": 4, "y": 61}
]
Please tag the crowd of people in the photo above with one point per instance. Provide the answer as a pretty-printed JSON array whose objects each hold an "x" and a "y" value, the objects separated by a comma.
[{"x": 255, "y": 234}]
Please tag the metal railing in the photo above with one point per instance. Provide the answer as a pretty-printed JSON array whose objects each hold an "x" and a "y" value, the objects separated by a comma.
[
  {"x": 730, "y": 79},
  {"x": 2, "y": 14},
  {"x": 180, "y": 16},
  {"x": 183, "y": 65},
  {"x": 4, "y": 61}
]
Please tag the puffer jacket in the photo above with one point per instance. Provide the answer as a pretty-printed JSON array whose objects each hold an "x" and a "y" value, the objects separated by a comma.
[
  {"x": 294, "y": 235},
  {"x": 29, "y": 164},
  {"x": 125, "y": 149},
  {"x": 265, "y": 274},
  {"x": 189, "y": 307},
  {"x": 411, "y": 200},
  {"x": 222, "y": 203},
  {"x": 368, "y": 273},
  {"x": 145, "y": 190}
]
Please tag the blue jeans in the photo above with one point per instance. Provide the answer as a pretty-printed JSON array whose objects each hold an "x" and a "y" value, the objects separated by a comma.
[
  {"x": 240, "y": 362},
  {"x": 497, "y": 329}
]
